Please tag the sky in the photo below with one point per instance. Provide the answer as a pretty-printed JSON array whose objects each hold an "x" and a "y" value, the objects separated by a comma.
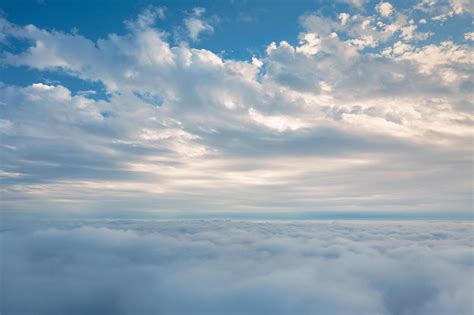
[
  {"x": 231, "y": 107},
  {"x": 236, "y": 157}
]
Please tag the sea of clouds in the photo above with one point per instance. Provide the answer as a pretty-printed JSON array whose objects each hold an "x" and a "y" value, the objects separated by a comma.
[{"x": 236, "y": 267}]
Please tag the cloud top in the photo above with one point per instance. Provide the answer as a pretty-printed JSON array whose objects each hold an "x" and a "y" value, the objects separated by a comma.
[{"x": 229, "y": 267}]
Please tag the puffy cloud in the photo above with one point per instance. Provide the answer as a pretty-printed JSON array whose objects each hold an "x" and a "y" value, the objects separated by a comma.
[
  {"x": 469, "y": 36},
  {"x": 441, "y": 58},
  {"x": 344, "y": 17},
  {"x": 399, "y": 48},
  {"x": 230, "y": 267},
  {"x": 385, "y": 9},
  {"x": 461, "y": 6}
]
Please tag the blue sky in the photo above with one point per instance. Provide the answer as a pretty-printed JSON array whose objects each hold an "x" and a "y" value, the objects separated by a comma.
[{"x": 237, "y": 106}]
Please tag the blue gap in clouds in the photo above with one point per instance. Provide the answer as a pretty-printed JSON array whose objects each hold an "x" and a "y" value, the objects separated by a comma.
[
  {"x": 24, "y": 76},
  {"x": 244, "y": 216},
  {"x": 149, "y": 98},
  {"x": 14, "y": 45},
  {"x": 324, "y": 215}
]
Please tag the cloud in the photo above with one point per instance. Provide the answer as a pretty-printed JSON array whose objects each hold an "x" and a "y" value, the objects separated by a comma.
[
  {"x": 385, "y": 9},
  {"x": 356, "y": 3},
  {"x": 440, "y": 11},
  {"x": 198, "y": 11},
  {"x": 280, "y": 123},
  {"x": 196, "y": 25},
  {"x": 344, "y": 17},
  {"x": 230, "y": 267},
  {"x": 147, "y": 17},
  {"x": 461, "y": 6},
  {"x": 469, "y": 36}
]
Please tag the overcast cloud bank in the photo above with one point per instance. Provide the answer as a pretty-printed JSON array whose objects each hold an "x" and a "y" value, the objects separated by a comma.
[{"x": 229, "y": 267}]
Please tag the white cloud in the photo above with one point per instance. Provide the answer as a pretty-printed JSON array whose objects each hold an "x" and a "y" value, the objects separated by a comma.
[
  {"x": 277, "y": 122},
  {"x": 365, "y": 41},
  {"x": 310, "y": 44},
  {"x": 399, "y": 48},
  {"x": 434, "y": 57},
  {"x": 147, "y": 18},
  {"x": 196, "y": 26},
  {"x": 356, "y": 3},
  {"x": 469, "y": 36},
  {"x": 198, "y": 11},
  {"x": 445, "y": 9},
  {"x": 385, "y": 9},
  {"x": 461, "y": 6},
  {"x": 344, "y": 17}
]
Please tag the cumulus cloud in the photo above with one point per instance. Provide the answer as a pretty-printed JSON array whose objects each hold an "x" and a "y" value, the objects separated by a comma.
[
  {"x": 469, "y": 36},
  {"x": 385, "y": 9},
  {"x": 344, "y": 17},
  {"x": 230, "y": 267}
]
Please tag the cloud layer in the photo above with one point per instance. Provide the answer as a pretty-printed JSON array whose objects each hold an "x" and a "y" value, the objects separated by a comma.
[{"x": 229, "y": 267}]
